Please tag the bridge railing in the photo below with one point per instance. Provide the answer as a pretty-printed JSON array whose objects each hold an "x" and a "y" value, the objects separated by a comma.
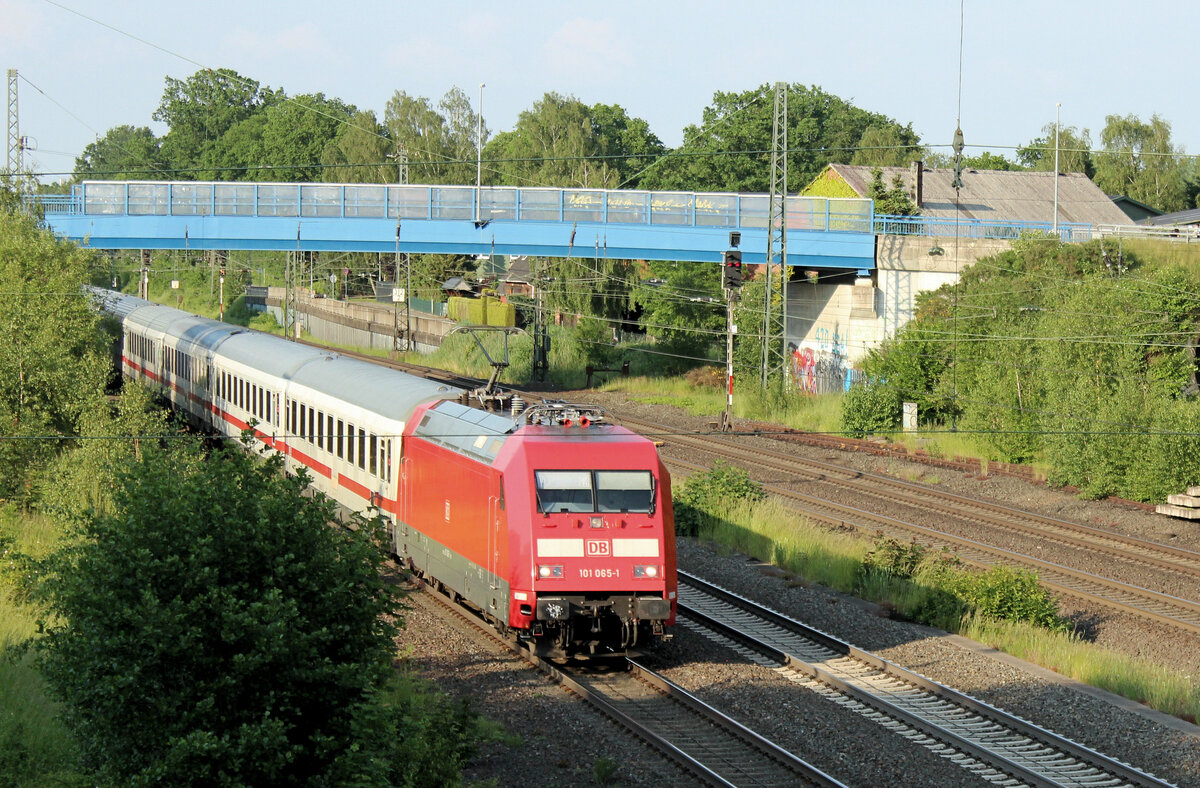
[
  {"x": 977, "y": 228},
  {"x": 320, "y": 200}
]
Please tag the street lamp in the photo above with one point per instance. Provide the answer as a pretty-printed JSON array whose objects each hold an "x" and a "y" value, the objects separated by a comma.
[
  {"x": 1057, "y": 115},
  {"x": 478, "y": 152}
]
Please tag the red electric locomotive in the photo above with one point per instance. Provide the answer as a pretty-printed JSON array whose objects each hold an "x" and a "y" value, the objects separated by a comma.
[{"x": 577, "y": 551}]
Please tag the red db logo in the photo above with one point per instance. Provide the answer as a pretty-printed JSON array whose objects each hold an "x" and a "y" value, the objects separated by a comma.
[{"x": 597, "y": 547}]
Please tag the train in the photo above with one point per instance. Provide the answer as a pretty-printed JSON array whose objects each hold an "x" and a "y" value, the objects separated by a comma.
[{"x": 552, "y": 521}]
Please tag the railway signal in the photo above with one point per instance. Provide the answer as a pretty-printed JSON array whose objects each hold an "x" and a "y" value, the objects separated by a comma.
[{"x": 733, "y": 269}]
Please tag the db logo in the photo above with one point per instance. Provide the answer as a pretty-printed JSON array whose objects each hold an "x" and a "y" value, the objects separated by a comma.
[{"x": 597, "y": 547}]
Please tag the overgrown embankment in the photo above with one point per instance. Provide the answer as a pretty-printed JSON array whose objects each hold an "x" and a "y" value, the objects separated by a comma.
[{"x": 1080, "y": 358}]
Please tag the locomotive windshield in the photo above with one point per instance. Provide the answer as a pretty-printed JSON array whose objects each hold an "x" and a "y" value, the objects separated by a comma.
[{"x": 594, "y": 491}]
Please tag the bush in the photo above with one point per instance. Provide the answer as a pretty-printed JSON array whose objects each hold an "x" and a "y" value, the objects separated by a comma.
[
  {"x": 704, "y": 497},
  {"x": 870, "y": 408},
  {"x": 216, "y": 630},
  {"x": 1006, "y": 594}
]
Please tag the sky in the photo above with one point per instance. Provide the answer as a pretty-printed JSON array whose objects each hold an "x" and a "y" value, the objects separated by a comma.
[{"x": 87, "y": 66}]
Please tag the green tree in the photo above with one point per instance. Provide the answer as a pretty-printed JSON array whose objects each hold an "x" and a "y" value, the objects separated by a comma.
[
  {"x": 294, "y": 136},
  {"x": 440, "y": 142},
  {"x": 53, "y": 365},
  {"x": 989, "y": 161},
  {"x": 892, "y": 201},
  {"x": 891, "y": 145},
  {"x": 1140, "y": 161},
  {"x": 216, "y": 630},
  {"x": 199, "y": 111},
  {"x": 729, "y": 150},
  {"x": 359, "y": 152},
  {"x": 124, "y": 153},
  {"x": 560, "y": 141},
  {"x": 683, "y": 307},
  {"x": 1074, "y": 151}
]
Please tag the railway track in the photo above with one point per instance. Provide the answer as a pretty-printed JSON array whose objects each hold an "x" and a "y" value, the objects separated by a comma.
[
  {"x": 1163, "y": 608},
  {"x": 710, "y": 746},
  {"x": 993, "y": 745}
]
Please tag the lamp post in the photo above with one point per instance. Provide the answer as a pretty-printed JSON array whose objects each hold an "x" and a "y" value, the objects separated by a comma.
[
  {"x": 478, "y": 151},
  {"x": 1057, "y": 114}
]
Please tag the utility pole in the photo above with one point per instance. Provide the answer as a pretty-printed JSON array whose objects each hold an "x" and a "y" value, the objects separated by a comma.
[
  {"x": 777, "y": 238},
  {"x": 13, "y": 166},
  {"x": 478, "y": 152}
]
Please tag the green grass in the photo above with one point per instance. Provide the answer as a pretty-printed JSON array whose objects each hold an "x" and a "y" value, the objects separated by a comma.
[
  {"x": 769, "y": 531},
  {"x": 1157, "y": 687},
  {"x": 35, "y": 747}
]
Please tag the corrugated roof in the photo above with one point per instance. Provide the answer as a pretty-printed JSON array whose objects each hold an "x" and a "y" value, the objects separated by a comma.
[
  {"x": 997, "y": 195},
  {"x": 1190, "y": 216}
]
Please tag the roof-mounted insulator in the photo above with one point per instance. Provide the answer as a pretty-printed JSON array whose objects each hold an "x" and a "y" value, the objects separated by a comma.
[{"x": 565, "y": 414}]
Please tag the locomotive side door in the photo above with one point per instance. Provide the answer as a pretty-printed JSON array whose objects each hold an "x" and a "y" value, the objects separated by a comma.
[{"x": 495, "y": 535}]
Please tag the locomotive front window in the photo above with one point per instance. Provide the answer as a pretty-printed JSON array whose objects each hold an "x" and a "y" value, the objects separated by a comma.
[
  {"x": 564, "y": 491},
  {"x": 624, "y": 491}
]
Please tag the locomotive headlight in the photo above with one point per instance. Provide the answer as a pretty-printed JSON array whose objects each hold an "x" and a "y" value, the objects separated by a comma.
[
  {"x": 550, "y": 571},
  {"x": 650, "y": 570}
]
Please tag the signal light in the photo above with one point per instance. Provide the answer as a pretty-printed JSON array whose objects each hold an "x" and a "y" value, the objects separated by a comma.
[{"x": 733, "y": 269}]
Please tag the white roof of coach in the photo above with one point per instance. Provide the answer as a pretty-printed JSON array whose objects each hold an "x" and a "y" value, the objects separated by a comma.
[
  {"x": 388, "y": 392},
  {"x": 114, "y": 303},
  {"x": 274, "y": 356}
]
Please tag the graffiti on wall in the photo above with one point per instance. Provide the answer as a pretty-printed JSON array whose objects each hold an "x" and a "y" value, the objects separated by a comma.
[{"x": 821, "y": 367}]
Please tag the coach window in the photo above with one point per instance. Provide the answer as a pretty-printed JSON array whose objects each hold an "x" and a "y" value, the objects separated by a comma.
[
  {"x": 329, "y": 432},
  {"x": 374, "y": 455},
  {"x": 349, "y": 443},
  {"x": 387, "y": 468},
  {"x": 362, "y": 448},
  {"x": 320, "y": 429},
  {"x": 341, "y": 440}
]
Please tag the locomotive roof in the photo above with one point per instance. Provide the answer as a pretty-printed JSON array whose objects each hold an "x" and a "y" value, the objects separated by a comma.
[{"x": 470, "y": 431}]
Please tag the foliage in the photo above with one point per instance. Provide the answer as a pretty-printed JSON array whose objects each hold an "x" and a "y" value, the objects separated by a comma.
[
  {"x": 1073, "y": 147},
  {"x": 124, "y": 153},
  {"x": 870, "y": 408},
  {"x": 678, "y": 308},
  {"x": 199, "y": 111},
  {"x": 894, "y": 557},
  {"x": 989, "y": 161},
  {"x": 561, "y": 141},
  {"x": 223, "y": 571},
  {"x": 887, "y": 146},
  {"x": 729, "y": 150},
  {"x": 440, "y": 142},
  {"x": 1075, "y": 355},
  {"x": 892, "y": 201},
  {"x": 52, "y": 364},
  {"x": 578, "y": 287},
  {"x": 358, "y": 152},
  {"x": 705, "y": 496},
  {"x": 1141, "y": 161},
  {"x": 1006, "y": 594}
]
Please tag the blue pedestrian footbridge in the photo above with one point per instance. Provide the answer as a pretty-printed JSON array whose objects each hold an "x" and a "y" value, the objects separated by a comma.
[{"x": 546, "y": 222}]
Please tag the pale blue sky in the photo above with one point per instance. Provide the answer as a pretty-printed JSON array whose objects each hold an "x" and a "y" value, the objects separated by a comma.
[{"x": 662, "y": 61}]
